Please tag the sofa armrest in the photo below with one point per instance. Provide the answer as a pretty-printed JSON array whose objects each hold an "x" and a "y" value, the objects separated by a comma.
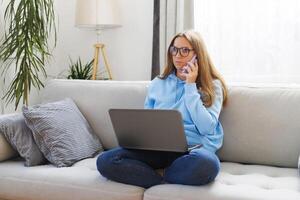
[
  {"x": 299, "y": 165},
  {"x": 6, "y": 150}
]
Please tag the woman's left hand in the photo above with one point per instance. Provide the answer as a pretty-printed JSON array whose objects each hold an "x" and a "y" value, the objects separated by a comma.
[{"x": 192, "y": 74}]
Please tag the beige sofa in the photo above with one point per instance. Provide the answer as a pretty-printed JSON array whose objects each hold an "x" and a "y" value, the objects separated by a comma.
[{"x": 259, "y": 156}]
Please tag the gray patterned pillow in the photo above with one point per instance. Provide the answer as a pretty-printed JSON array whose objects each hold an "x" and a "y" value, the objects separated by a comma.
[
  {"x": 61, "y": 132},
  {"x": 19, "y": 136}
]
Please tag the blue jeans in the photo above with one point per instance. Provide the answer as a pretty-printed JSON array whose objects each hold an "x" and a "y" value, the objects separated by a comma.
[{"x": 137, "y": 167}]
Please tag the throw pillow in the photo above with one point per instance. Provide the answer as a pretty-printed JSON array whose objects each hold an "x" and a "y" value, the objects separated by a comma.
[
  {"x": 16, "y": 132},
  {"x": 61, "y": 132}
]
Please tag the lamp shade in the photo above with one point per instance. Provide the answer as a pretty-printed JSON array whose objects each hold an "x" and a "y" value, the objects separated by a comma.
[{"x": 97, "y": 14}]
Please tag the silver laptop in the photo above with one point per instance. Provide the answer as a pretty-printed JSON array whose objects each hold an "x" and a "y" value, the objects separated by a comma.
[{"x": 149, "y": 129}]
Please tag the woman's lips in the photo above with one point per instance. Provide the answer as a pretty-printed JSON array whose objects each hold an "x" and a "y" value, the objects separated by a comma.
[{"x": 178, "y": 62}]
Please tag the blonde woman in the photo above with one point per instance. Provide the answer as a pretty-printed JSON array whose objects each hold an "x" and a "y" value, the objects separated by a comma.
[{"x": 190, "y": 84}]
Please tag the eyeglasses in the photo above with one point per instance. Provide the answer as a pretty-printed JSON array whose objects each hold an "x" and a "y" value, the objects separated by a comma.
[{"x": 183, "y": 51}]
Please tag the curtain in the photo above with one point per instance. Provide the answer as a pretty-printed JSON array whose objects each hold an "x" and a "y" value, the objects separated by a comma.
[
  {"x": 170, "y": 17},
  {"x": 155, "y": 41},
  {"x": 252, "y": 40}
]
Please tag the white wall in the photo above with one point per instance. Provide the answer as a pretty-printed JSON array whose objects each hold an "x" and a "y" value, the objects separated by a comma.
[{"x": 128, "y": 48}]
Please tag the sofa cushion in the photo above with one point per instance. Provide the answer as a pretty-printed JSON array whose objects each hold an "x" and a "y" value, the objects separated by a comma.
[
  {"x": 81, "y": 181},
  {"x": 236, "y": 182},
  {"x": 61, "y": 132},
  {"x": 6, "y": 150},
  {"x": 20, "y": 137}
]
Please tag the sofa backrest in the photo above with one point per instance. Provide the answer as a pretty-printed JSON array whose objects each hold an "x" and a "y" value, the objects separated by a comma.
[
  {"x": 95, "y": 98},
  {"x": 260, "y": 123}
]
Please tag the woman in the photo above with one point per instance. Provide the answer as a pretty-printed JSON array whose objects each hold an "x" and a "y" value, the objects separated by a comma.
[{"x": 195, "y": 89}]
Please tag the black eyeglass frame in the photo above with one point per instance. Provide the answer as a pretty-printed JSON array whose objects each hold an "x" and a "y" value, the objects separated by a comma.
[{"x": 173, "y": 49}]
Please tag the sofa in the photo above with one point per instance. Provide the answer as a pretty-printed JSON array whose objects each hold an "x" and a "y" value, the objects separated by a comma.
[{"x": 259, "y": 156}]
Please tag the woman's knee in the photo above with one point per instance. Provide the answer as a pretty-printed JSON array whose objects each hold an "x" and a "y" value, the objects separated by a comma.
[
  {"x": 198, "y": 168},
  {"x": 208, "y": 162},
  {"x": 105, "y": 161}
]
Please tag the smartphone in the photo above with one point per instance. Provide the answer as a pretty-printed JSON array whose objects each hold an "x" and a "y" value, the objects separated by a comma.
[{"x": 193, "y": 60}]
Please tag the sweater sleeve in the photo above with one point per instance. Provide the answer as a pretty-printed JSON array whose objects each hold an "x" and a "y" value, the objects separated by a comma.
[
  {"x": 205, "y": 119},
  {"x": 149, "y": 102}
]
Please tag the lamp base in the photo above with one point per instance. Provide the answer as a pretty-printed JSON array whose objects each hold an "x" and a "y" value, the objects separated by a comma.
[{"x": 100, "y": 47}]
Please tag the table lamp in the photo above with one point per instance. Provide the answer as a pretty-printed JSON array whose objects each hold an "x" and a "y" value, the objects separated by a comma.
[{"x": 97, "y": 15}]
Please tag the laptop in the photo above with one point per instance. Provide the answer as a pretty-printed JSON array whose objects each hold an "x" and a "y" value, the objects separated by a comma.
[{"x": 149, "y": 129}]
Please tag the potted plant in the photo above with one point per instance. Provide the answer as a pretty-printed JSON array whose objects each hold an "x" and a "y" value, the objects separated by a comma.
[
  {"x": 80, "y": 71},
  {"x": 25, "y": 46}
]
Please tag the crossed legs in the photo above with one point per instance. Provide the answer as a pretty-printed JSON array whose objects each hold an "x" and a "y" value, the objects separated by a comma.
[{"x": 137, "y": 167}]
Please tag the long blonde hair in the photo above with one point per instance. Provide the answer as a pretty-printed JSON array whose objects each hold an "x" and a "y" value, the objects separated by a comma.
[{"x": 206, "y": 71}]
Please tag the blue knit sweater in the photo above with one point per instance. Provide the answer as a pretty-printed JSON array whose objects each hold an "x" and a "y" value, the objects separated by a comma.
[{"x": 201, "y": 124}]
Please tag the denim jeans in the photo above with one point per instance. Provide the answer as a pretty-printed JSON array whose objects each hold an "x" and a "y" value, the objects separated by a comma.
[{"x": 137, "y": 167}]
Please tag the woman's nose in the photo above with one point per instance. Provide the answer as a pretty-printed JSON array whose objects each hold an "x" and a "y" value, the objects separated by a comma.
[{"x": 178, "y": 55}]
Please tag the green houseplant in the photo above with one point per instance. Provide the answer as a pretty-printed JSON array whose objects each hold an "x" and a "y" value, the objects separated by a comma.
[
  {"x": 30, "y": 24},
  {"x": 78, "y": 70}
]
